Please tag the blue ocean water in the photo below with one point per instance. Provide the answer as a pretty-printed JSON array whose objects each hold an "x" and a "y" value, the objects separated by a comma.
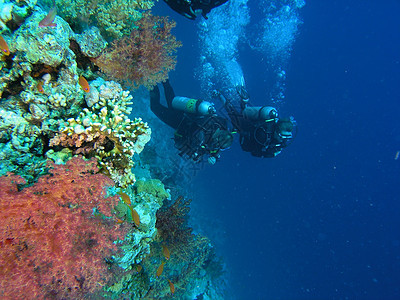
[{"x": 321, "y": 220}]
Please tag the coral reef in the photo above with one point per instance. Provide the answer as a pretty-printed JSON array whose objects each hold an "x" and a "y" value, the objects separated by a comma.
[
  {"x": 12, "y": 13},
  {"x": 191, "y": 255},
  {"x": 55, "y": 235},
  {"x": 61, "y": 235},
  {"x": 172, "y": 223},
  {"x": 176, "y": 256},
  {"x": 38, "y": 86},
  {"x": 146, "y": 202},
  {"x": 147, "y": 197},
  {"x": 41, "y": 89},
  {"x": 114, "y": 18},
  {"x": 47, "y": 45},
  {"x": 146, "y": 189},
  {"x": 143, "y": 58},
  {"x": 90, "y": 42},
  {"x": 20, "y": 145},
  {"x": 106, "y": 132}
]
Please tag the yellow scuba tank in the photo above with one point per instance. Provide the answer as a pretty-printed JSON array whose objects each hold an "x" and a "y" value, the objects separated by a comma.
[{"x": 193, "y": 106}]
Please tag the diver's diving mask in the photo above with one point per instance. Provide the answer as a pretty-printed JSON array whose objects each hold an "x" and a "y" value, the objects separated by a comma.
[
  {"x": 290, "y": 131},
  {"x": 285, "y": 135}
]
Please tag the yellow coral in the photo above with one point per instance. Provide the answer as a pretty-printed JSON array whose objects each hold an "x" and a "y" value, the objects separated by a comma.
[
  {"x": 152, "y": 187},
  {"x": 113, "y": 143}
]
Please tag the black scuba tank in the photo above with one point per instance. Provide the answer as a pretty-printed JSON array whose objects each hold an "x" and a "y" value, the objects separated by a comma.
[{"x": 264, "y": 113}]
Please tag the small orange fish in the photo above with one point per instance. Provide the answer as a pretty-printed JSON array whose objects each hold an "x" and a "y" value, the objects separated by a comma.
[
  {"x": 125, "y": 198},
  {"x": 4, "y": 46},
  {"x": 135, "y": 216},
  {"x": 139, "y": 268},
  {"x": 165, "y": 252},
  {"x": 84, "y": 84},
  {"x": 40, "y": 87},
  {"x": 47, "y": 21},
  {"x": 160, "y": 269},
  {"x": 171, "y": 286},
  {"x": 119, "y": 221}
]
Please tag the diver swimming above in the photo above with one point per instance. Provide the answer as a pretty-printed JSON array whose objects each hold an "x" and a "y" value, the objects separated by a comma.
[
  {"x": 199, "y": 131},
  {"x": 192, "y": 8},
  {"x": 262, "y": 132}
]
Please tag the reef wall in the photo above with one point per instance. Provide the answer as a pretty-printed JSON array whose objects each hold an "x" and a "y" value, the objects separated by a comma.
[{"x": 75, "y": 220}]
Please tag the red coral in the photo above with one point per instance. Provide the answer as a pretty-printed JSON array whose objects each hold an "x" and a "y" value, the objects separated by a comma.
[
  {"x": 145, "y": 57},
  {"x": 51, "y": 242}
]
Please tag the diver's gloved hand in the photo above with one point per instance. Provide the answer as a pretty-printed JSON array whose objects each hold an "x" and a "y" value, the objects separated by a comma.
[
  {"x": 212, "y": 160},
  {"x": 243, "y": 94},
  {"x": 219, "y": 95}
]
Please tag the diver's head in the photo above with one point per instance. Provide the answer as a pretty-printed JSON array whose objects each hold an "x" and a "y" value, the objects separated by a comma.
[
  {"x": 221, "y": 139},
  {"x": 285, "y": 127}
]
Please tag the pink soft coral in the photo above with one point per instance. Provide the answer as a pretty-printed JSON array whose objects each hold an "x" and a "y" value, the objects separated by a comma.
[{"x": 53, "y": 241}]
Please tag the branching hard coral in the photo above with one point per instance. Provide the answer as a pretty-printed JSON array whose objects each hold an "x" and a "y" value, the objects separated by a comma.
[
  {"x": 115, "y": 18},
  {"x": 107, "y": 133},
  {"x": 54, "y": 235},
  {"x": 145, "y": 57}
]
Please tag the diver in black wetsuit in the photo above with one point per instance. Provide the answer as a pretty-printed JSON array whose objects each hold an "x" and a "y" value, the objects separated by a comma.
[
  {"x": 192, "y": 8},
  {"x": 199, "y": 131},
  {"x": 261, "y": 132}
]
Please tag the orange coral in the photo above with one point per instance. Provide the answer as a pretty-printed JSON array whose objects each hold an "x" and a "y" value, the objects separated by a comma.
[
  {"x": 84, "y": 143},
  {"x": 145, "y": 57}
]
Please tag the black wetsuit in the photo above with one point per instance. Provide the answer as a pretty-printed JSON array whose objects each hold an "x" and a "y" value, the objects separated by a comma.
[
  {"x": 187, "y": 8},
  {"x": 193, "y": 135},
  {"x": 170, "y": 116},
  {"x": 256, "y": 136}
]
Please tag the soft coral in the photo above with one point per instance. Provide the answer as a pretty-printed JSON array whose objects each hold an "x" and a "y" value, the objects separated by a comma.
[
  {"x": 51, "y": 244},
  {"x": 145, "y": 57}
]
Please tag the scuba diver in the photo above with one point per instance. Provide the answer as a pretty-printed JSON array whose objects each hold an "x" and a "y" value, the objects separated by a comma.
[
  {"x": 192, "y": 8},
  {"x": 262, "y": 132},
  {"x": 199, "y": 131}
]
